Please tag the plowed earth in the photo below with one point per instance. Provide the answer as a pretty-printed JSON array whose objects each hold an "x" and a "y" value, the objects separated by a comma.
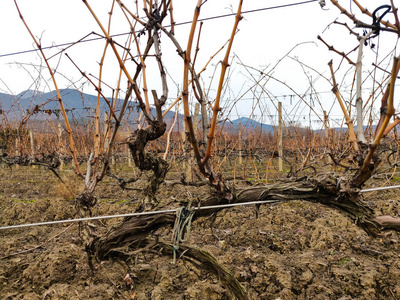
[{"x": 294, "y": 250}]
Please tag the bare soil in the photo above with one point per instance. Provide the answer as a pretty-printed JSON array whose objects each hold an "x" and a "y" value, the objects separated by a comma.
[{"x": 293, "y": 250}]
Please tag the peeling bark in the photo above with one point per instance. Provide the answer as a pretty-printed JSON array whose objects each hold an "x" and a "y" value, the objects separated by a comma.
[
  {"x": 145, "y": 161},
  {"x": 327, "y": 189},
  {"x": 388, "y": 222}
]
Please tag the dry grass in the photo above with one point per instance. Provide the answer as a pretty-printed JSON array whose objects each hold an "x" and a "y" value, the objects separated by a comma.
[{"x": 71, "y": 187}]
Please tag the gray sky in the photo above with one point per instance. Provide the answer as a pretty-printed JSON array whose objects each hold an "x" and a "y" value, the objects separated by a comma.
[{"x": 264, "y": 38}]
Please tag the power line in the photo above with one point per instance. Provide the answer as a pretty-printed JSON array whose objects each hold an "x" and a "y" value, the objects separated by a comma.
[
  {"x": 176, "y": 24},
  {"x": 248, "y": 11}
]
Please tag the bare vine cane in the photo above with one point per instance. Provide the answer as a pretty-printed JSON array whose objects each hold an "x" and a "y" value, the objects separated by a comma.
[
  {"x": 224, "y": 66},
  {"x": 59, "y": 98},
  {"x": 185, "y": 92},
  {"x": 387, "y": 111},
  {"x": 196, "y": 86},
  {"x": 349, "y": 121},
  {"x": 388, "y": 26},
  {"x": 215, "y": 179}
]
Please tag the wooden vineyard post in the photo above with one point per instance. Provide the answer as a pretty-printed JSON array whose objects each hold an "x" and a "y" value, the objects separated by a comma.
[
  {"x": 312, "y": 137},
  {"x": 326, "y": 127},
  {"x": 17, "y": 148},
  {"x": 185, "y": 164},
  {"x": 240, "y": 144},
  {"x": 32, "y": 158},
  {"x": 113, "y": 163},
  {"x": 60, "y": 145},
  {"x": 280, "y": 136},
  {"x": 129, "y": 155}
]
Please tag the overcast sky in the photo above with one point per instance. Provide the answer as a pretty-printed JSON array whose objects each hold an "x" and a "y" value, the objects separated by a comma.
[{"x": 264, "y": 37}]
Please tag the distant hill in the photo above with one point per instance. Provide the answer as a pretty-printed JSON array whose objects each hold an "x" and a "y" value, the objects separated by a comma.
[
  {"x": 77, "y": 104},
  {"x": 252, "y": 124},
  {"x": 247, "y": 125},
  {"x": 81, "y": 106},
  {"x": 74, "y": 101}
]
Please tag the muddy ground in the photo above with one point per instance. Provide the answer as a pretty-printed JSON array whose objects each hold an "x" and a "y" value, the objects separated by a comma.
[{"x": 294, "y": 250}]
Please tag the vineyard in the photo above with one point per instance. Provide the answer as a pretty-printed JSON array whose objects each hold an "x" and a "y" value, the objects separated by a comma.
[{"x": 144, "y": 195}]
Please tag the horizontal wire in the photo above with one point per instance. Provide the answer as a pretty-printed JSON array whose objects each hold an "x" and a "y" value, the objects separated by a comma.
[
  {"x": 134, "y": 214},
  {"x": 168, "y": 211},
  {"x": 166, "y": 26},
  {"x": 380, "y": 188}
]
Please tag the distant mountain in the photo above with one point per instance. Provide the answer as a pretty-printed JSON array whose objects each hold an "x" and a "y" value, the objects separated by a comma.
[
  {"x": 77, "y": 104},
  {"x": 29, "y": 94},
  {"x": 6, "y": 101},
  {"x": 248, "y": 124},
  {"x": 81, "y": 106}
]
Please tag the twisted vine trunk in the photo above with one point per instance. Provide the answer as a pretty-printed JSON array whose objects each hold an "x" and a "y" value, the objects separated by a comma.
[
  {"x": 135, "y": 234},
  {"x": 327, "y": 189},
  {"x": 146, "y": 161}
]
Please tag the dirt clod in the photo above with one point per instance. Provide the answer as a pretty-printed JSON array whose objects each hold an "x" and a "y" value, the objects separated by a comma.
[{"x": 296, "y": 250}]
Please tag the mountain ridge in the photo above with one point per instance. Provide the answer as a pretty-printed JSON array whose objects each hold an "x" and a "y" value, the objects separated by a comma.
[{"x": 82, "y": 105}]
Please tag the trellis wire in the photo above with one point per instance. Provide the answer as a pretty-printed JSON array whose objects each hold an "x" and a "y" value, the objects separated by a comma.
[
  {"x": 380, "y": 188},
  {"x": 168, "y": 211},
  {"x": 134, "y": 214}
]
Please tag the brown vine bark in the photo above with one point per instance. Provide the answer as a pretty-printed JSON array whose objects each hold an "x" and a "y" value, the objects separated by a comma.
[
  {"x": 327, "y": 189},
  {"x": 145, "y": 161}
]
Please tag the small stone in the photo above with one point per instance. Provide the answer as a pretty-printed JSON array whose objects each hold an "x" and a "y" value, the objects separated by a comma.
[{"x": 222, "y": 244}]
